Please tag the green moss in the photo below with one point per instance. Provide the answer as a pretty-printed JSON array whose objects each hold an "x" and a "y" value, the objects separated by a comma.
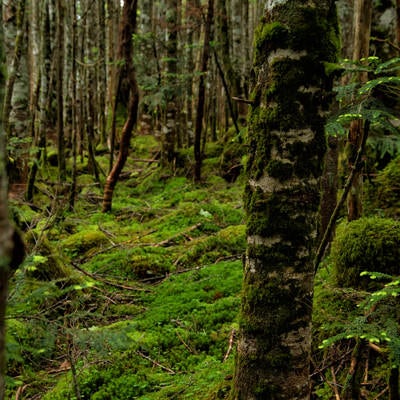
[
  {"x": 368, "y": 244},
  {"x": 383, "y": 194},
  {"x": 82, "y": 242},
  {"x": 268, "y": 37}
]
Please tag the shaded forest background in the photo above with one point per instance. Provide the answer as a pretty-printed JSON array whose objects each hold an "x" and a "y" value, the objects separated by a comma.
[{"x": 131, "y": 290}]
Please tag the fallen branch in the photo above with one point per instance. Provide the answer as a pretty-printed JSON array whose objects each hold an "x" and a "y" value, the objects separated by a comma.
[
  {"x": 170, "y": 240},
  {"x": 106, "y": 281},
  {"x": 335, "y": 386},
  {"x": 185, "y": 344},
  {"x": 139, "y": 353},
  {"x": 231, "y": 341}
]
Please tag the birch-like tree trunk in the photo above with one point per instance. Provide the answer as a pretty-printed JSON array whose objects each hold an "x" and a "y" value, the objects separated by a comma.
[
  {"x": 286, "y": 142},
  {"x": 16, "y": 103}
]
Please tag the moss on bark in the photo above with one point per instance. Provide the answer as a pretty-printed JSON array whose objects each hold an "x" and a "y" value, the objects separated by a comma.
[{"x": 286, "y": 147}]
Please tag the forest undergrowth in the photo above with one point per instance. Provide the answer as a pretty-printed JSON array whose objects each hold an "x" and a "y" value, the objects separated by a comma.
[
  {"x": 139, "y": 303},
  {"x": 143, "y": 302}
]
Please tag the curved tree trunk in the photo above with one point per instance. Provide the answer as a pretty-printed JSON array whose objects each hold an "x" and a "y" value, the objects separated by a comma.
[
  {"x": 127, "y": 29},
  {"x": 286, "y": 148}
]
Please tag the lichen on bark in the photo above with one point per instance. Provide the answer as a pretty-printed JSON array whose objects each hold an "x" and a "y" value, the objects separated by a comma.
[{"x": 291, "y": 94}]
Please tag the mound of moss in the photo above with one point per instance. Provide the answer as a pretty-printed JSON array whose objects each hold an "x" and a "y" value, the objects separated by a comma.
[
  {"x": 367, "y": 244},
  {"x": 384, "y": 192}
]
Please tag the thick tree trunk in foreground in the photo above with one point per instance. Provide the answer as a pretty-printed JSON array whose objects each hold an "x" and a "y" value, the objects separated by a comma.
[
  {"x": 128, "y": 28},
  {"x": 286, "y": 148}
]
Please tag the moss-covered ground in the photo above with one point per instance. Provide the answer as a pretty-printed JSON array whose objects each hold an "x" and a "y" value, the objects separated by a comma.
[
  {"x": 143, "y": 302},
  {"x": 139, "y": 303}
]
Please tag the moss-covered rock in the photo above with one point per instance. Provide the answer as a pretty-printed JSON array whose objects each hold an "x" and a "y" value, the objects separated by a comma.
[
  {"x": 367, "y": 244},
  {"x": 384, "y": 192},
  {"x": 82, "y": 242}
]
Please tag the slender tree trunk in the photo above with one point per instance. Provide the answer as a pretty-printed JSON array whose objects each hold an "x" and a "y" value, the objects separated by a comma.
[
  {"x": 113, "y": 17},
  {"x": 60, "y": 19},
  {"x": 170, "y": 131},
  {"x": 127, "y": 29},
  {"x": 398, "y": 23},
  {"x": 74, "y": 127},
  {"x": 192, "y": 22},
  {"x": 230, "y": 80},
  {"x": 329, "y": 186},
  {"x": 201, "y": 93},
  {"x": 16, "y": 102},
  {"x": 11, "y": 246},
  {"x": 286, "y": 144},
  {"x": 362, "y": 32},
  {"x": 43, "y": 99},
  {"x": 102, "y": 72}
]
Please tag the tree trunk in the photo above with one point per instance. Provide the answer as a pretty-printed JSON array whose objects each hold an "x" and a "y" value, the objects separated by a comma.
[
  {"x": 60, "y": 18},
  {"x": 201, "y": 93},
  {"x": 11, "y": 246},
  {"x": 329, "y": 186},
  {"x": 362, "y": 32},
  {"x": 74, "y": 108},
  {"x": 16, "y": 102},
  {"x": 286, "y": 144},
  {"x": 192, "y": 21},
  {"x": 127, "y": 29},
  {"x": 170, "y": 131},
  {"x": 44, "y": 99}
]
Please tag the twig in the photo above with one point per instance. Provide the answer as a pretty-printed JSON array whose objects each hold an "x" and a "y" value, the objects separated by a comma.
[
  {"x": 380, "y": 394},
  {"x": 146, "y": 160},
  {"x": 240, "y": 100},
  {"x": 346, "y": 189},
  {"x": 139, "y": 353},
  {"x": 168, "y": 241},
  {"x": 231, "y": 341},
  {"x": 20, "y": 391},
  {"x": 106, "y": 281},
  {"x": 185, "y": 344},
  {"x": 335, "y": 389}
]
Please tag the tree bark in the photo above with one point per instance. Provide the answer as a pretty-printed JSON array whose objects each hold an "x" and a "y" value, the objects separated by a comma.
[
  {"x": 16, "y": 103},
  {"x": 362, "y": 32},
  {"x": 170, "y": 131},
  {"x": 11, "y": 245},
  {"x": 201, "y": 93},
  {"x": 60, "y": 18},
  {"x": 286, "y": 141},
  {"x": 127, "y": 29}
]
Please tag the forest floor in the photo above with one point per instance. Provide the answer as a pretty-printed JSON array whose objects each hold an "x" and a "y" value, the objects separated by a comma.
[
  {"x": 139, "y": 303},
  {"x": 143, "y": 302}
]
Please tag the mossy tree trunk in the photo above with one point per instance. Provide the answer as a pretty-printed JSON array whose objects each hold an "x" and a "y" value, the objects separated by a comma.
[{"x": 286, "y": 143}]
